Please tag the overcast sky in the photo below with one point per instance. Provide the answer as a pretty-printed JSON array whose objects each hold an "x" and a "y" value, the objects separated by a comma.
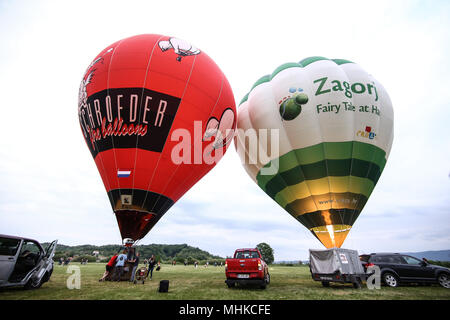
[{"x": 50, "y": 188}]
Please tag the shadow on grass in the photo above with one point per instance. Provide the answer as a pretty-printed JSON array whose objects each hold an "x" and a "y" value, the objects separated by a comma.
[{"x": 248, "y": 287}]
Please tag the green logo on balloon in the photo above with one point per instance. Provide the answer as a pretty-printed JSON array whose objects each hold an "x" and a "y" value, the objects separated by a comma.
[{"x": 292, "y": 107}]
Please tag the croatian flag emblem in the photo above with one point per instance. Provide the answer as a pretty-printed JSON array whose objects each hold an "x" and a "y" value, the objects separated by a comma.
[{"x": 123, "y": 173}]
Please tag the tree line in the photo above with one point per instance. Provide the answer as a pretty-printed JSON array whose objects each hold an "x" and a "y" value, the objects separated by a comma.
[{"x": 166, "y": 253}]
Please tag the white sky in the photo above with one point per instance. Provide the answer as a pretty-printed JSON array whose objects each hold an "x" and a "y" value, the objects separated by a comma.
[{"x": 50, "y": 188}]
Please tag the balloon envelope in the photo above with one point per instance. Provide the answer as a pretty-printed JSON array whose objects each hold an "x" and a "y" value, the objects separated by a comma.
[
  {"x": 145, "y": 103},
  {"x": 334, "y": 126}
]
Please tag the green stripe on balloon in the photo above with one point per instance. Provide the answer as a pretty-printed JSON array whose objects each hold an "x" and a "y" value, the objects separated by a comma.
[
  {"x": 263, "y": 79},
  {"x": 309, "y": 60},
  {"x": 245, "y": 98},
  {"x": 284, "y": 67},
  {"x": 319, "y": 170},
  {"x": 341, "y": 61},
  {"x": 332, "y": 151},
  {"x": 332, "y": 159}
]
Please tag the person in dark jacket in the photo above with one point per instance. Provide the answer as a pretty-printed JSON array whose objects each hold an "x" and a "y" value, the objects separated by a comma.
[
  {"x": 151, "y": 266},
  {"x": 135, "y": 264}
]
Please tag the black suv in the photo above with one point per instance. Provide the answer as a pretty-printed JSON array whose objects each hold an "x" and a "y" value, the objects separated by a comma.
[{"x": 400, "y": 268}]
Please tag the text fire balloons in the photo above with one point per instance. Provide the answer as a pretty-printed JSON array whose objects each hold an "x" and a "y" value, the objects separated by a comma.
[
  {"x": 326, "y": 130},
  {"x": 157, "y": 114}
]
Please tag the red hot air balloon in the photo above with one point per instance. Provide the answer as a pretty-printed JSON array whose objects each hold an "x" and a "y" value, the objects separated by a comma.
[{"x": 138, "y": 97}]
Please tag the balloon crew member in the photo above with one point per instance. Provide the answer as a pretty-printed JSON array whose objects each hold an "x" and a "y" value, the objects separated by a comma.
[
  {"x": 135, "y": 263},
  {"x": 131, "y": 254},
  {"x": 120, "y": 263},
  {"x": 151, "y": 266},
  {"x": 109, "y": 267}
]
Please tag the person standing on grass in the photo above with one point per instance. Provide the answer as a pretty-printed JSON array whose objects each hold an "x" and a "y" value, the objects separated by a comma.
[
  {"x": 120, "y": 263},
  {"x": 151, "y": 266},
  {"x": 135, "y": 264},
  {"x": 109, "y": 267}
]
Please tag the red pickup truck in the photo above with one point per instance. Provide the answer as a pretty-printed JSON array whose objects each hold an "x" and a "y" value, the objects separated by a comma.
[{"x": 247, "y": 267}]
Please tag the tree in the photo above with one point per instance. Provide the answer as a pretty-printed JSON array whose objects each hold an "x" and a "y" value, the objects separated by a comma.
[{"x": 266, "y": 252}]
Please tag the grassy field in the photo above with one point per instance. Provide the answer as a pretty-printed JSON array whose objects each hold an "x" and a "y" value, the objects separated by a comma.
[{"x": 189, "y": 283}]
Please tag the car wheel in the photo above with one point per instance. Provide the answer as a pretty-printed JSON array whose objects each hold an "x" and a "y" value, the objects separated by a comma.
[
  {"x": 326, "y": 284},
  {"x": 47, "y": 275},
  {"x": 390, "y": 280},
  {"x": 230, "y": 284},
  {"x": 357, "y": 284},
  {"x": 31, "y": 284},
  {"x": 444, "y": 280}
]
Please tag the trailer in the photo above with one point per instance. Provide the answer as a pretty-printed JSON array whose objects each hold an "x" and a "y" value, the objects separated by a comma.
[{"x": 336, "y": 265}]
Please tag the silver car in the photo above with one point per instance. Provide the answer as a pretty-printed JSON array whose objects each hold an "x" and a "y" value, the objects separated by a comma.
[{"x": 23, "y": 262}]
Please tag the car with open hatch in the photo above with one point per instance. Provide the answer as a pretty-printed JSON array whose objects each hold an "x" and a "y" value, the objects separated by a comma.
[{"x": 24, "y": 262}]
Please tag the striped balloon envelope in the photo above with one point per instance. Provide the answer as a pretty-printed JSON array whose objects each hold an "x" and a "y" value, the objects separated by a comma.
[
  {"x": 315, "y": 136},
  {"x": 157, "y": 114}
]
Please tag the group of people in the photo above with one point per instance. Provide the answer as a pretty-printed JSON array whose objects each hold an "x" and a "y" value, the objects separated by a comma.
[
  {"x": 207, "y": 264},
  {"x": 118, "y": 262},
  {"x": 64, "y": 262}
]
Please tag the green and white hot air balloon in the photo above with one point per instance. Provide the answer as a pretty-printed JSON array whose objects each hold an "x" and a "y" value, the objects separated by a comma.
[{"x": 334, "y": 125}]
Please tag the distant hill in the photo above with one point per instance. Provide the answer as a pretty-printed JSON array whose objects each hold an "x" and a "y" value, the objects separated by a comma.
[
  {"x": 441, "y": 255},
  {"x": 291, "y": 262},
  {"x": 162, "y": 252}
]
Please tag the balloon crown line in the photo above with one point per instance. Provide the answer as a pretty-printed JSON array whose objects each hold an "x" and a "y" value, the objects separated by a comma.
[{"x": 303, "y": 63}]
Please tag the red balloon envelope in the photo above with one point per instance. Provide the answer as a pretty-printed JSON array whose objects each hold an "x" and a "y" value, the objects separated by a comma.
[{"x": 156, "y": 114}]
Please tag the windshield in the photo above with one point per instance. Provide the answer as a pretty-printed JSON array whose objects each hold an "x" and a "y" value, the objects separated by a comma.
[
  {"x": 8, "y": 247},
  {"x": 246, "y": 255}
]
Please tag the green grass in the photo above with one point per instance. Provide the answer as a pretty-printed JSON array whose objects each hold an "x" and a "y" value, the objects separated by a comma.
[{"x": 208, "y": 283}]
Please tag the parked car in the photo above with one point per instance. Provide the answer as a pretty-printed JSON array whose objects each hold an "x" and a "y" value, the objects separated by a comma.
[
  {"x": 24, "y": 262},
  {"x": 400, "y": 268},
  {"x": 247, "y": 267}
]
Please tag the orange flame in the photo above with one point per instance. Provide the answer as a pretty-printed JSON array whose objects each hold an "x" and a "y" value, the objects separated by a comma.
[{"x": 326, "y": 217}]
